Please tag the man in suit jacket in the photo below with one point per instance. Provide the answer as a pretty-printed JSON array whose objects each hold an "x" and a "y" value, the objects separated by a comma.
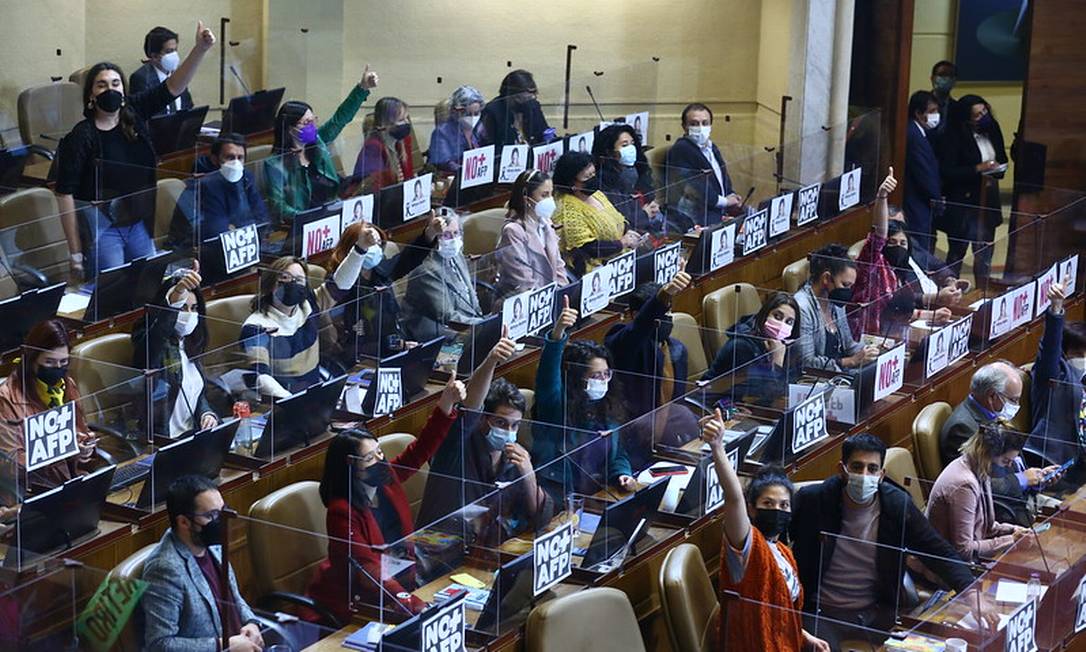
[
  {"x": 922, "y": 183},
  {"x": 185, "y": 600},
  {"x": 944, "y": 75},
  {"x": 160, "y": 47},
  {"x": 699, "y": 188},
  {"x": 442, "y": 289}
]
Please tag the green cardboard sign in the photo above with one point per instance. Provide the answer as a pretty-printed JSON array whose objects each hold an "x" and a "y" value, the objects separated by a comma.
[{"x": 108, "y": 611}]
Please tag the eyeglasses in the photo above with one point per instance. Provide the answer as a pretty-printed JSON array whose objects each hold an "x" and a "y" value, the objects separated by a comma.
[
  {"x": 210, "y": 515},
  {"x": 505, "y": 424},
  {"x": 371, "y": 457},
  {"x": 290, "y": 278},
  {"x": 601, "y": 375}
]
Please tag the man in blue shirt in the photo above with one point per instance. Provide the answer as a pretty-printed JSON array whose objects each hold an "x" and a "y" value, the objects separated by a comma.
[{"x": 221, "y": 200}]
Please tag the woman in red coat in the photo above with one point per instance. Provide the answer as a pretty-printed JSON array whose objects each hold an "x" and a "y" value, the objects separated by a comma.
[{"x": 367, "y": 508}]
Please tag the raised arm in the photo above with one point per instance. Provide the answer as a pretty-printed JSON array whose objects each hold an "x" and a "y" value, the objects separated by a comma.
[
  {"x": 736, "y": 521},
  {"x": 479, "y": 383},
  {"x": 881, "y": 214},
  {"x": 182, "y": 77}
]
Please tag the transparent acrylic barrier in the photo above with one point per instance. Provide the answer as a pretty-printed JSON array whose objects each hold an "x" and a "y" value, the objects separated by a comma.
[{"x": 1055, "y": 401}]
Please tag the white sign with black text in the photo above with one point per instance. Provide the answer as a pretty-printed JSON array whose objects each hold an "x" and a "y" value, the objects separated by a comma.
[
  {"x": 552, "y": 559},
  {"x": 754, "y": 231},
  {"x": 809, "y": 423},
  {"x": 1000, "y": 318},
  {"x": 515, "y": 311},
  {"x": 444, "y": 631},
  {"x": 416, "y": 196},
  {"x": 1080, "y": 612},
  {"x": 714, "y": 493},
  {"x": 938, "y": 353},
  {"x": 665, "y": 263},
  {"x": 959, "y": 338},
  {"x": 622, "y": 273},
  {"x": 1021, "y": 629},
  {"x": 1069, "y": 270},
  {"x": 389, "y": 391},
  {"x": 808, "y": 204},
  {"x": 514, "y": 161},
  {"x": 582, "y": 142},
  {"x": 595, "y": 290},
  {"x": 544, "y": 156},
  {"x": 320, "y": 235},
  {"x": 640, "y": 124},
  {"x": 849, "y": 194},
  {"x": 780, "y": 214},
  {"x": 477, "y": 167},
  {"x": 50, "y": 436},
  {"x": 541, "y": 308},
  {"x": 890, "y": 372},
  {"x": 240, "y": 248},
  {"x": 1044, "y": 281},
  {"x": 356, "y": 209},
  {"x": 722, "y": 247}
]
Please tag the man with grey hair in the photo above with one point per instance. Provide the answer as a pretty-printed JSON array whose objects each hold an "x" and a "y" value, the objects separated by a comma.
[
  {"x": 994, "y": 396},
  {"x": 442, "y": 289},
  {"x": 452, "y": 138}
]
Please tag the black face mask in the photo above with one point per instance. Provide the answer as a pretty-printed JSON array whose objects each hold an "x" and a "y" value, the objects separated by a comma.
[
  {"x": 591, "y": 186},
  {"x": 51, "y": 375},
  {"x": 291, "y": 294},
  {"x": 109, "y": 101},
  {"x": 212, "y": 533},
  {"x": 377, "y": 475},
  {"x": 399, "y": 132},
  {"x": 896, "y": 256},
  {"x": 772, "y": 522},
  {"x": 840, "y": 296},
  {"x": 663, "y": 329}
]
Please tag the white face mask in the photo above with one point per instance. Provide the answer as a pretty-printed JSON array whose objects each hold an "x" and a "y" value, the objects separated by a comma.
[
  {"x": 232, "y": 171},
  {"x": 169, "y": 62},
  {"x": 545, "y": 207},
  {"x": 861, "y": 488},
  {"x": 450, "y": 248},
  {"x": 596, "y": 389},
  {"x": 1078, "y": 365},
  {"x": 186, "y": 323},
  {"x": 1009, "y": 410},
  {"x": 469, "y": 121},
  {"x": 933, "y": 120},
  {"x": 627, "y": 155},
  {"x": 700, "y": 134}
]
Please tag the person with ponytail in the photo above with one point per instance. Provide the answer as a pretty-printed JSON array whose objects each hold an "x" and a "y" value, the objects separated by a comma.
[
  {"x": 107, "y": 162},
  {"x": 300, "y": 173},
  {"x": 385, "y": 157},
  {"x": 528, "y": 255}
]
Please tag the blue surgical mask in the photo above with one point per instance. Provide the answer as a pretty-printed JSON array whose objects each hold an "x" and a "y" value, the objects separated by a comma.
[
  {"x": 373, "y": 257},
  {"x": 497, "y": 438},
  {"x": 596, "y": 389},
  {"x": 627, "y": 155},
  {"x": 862, "y": 487}
]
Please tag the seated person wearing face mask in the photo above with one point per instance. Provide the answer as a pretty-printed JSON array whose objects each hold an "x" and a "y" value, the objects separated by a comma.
[
  {"x": 527, "y": 253},
  {"x": 386, "y": 155},
  {"x": 482, "y": 452},
  {"x": 852, "y": 574},
  {"x": 160, "y": 48},
  {"x": 442, "y": 289},
  {"x": 699, "y": 189},
  {"x": 883, "y": 267},
  {"x": 756, "y": 564},
  {"x": 626, "y": 178},
  {"x": 825, "y": 340},
  {"x": 756, "y": 347},
  {"x": 221, "y": 200},
  {"x": 171, "y": 334},
  {"x": 185, "y": 600},
  {"x": 282, "y": 335},
  {"x": 456, "y": 135},
  {"x": 40, "y": 382},
  {"x": 1059, "y": 409},
  {"x": 643, "y": 347}
]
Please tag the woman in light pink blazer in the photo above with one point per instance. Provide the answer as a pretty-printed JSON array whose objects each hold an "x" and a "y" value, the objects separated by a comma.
[
  {"x": 960, "y": 506},
  {"x": 528, "y": 256}
]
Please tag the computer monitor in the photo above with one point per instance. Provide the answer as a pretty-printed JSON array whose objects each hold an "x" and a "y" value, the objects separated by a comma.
[
  {"x": 20, "y": 313},
  {"x": 511, "y": 594},
  {"x": 700, "y": 262},
  {"x": 692, "y": 501},
  {"x": 176, "y": 132},
  {"x": 619, "y": 521},
  {"x": 297, "y": 419},
  {"x": 201, "y": 454},
  {"x": 388, "y": 206},
  {"x": 407, "y": 636},
  {"x": 415, "y": 365},
  {"x": 479, "y": 341},
  {"x": 12, "y": 162},
  {"x": 250, "y": 114},
  {"x": 112, "y": 294}
]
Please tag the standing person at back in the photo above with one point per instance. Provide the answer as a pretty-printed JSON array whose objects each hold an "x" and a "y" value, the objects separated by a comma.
[
  {"x": 944, "y": 75},
  {"x": 922, "y": 183},
  {"x": 700, "y": 191},
  {"x": 160, "y": 47}
]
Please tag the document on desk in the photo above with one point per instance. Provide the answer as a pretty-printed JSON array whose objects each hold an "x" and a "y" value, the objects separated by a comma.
[
  {"x": 1013, "y": 592},
  {"x": 73, "y": 302}
]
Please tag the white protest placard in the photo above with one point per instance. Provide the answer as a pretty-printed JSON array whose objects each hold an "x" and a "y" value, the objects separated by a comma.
[
  {"x": 320, "y": 235},
  {"x": 714, "y": 493},
  {"x": 937, "y": 357},
  {"x": 477, "y": 167},
  {"x": 959, "y": 338},
  {"x": 666, "y": 262},
  {"x": 544, "y": 156},
  {"x": 552, "y": 558},
  {"x": 595, "y": 290},
  {"x": 541, "y": 308},
  {"x": 840, "y": 404},
  {"x": 809, "y": 423},
  {"x": 1021, "y": 629},
  {"x": 808, "y": 204},
  {"x": 416, "y": 196},
  {"x": 582, "y": 142},
  {"x": 640, "y": 123},
  {"x": 849, "y": 194},
  {"x": 1000, "y": 319},
  {"x": 49, "y": 436},
  {"x": 389, "y": 390},
  {"x": 514, "y": 161},
  {"x": 890, "y": 372},
  {"x": 356, "y": 209},
  {"x": 622, "y": 273},
  {"x": 240, "y": 248},
  {"x": 754, "y": 231},
  {"x": 780, "y": 214},
  {"x": 515, "y": 310},
  {"x": 722, "y": 247},
  {"x": 1069, "y": 270},
  {"x": 444, "y": 630},
  {"x": 1045, "y": 281},
  {"x": 1080, "y": 612},
  {"x": 1022, "y": 304}
]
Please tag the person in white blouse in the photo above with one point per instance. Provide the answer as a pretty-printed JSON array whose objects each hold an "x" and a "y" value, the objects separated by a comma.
[{"x": 528, "y": 255}]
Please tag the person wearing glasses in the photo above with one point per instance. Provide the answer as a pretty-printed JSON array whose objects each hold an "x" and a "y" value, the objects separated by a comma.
[
  {"x": 185, "y": 604},
  {"x": 442, "y": 289},
  {"x": 282, "y": 335}
]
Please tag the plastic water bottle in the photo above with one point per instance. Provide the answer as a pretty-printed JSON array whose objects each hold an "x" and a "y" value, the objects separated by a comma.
[{"x": 1033, "y": 587}]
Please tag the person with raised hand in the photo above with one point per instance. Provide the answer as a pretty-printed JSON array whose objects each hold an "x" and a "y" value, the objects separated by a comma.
[{"x": 574, "y": 389}]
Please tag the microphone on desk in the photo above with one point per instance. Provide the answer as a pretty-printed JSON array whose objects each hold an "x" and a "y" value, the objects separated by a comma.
[
  {"x": 593, "y": 98},
  {"x": 237, "y": 75}
]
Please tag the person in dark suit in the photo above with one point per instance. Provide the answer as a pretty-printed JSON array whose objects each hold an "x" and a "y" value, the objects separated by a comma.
[
  {"x": 699, "y": 189},
  {"x": 944, "y": 75},
  {"x": 922, "y": 183},
  {"x": 515, "y": 115},
  {"x": 970, "y": 155},
  {"x": 160, "y": 47}
]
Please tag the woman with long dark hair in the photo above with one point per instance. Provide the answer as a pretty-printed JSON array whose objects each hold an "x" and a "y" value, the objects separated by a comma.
[
  {"x": 385, "y": 157},
  {"x": 169, "y": 340},
  {"x": 514, "y": 116},
  {"x": 300, "y": 173},
  {"x": 107, "y": 162},
  {"x": 528, "y": 256},
  {"x": 626, "y": 178},
  {"x": 367, "y": 509}
]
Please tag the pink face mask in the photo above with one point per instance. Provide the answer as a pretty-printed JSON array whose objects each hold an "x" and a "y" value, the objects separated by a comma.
[{"x": 777, "y": 330}]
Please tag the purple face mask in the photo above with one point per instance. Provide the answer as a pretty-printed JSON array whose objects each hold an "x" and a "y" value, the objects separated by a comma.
[{"x": 308, "y": 134}]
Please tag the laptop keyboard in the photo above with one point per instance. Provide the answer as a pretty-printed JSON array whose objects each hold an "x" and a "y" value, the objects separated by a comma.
[{"x": 130, "y": 474}]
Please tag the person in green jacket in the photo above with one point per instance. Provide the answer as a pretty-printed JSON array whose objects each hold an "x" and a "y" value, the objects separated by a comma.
[
  {"x": 574, "y": 388},
  {"x": 300, "y": 174}
]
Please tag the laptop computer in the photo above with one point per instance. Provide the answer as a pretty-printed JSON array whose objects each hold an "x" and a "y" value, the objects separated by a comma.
[
  {"x": 176, "y": 132},
  {"x": 692, "y": 501},
  {"x": 250, "y": 114},
  {"x": 297, "y": 419},
  {"x": 479, "y": 341},
  {"x": 20, "y": 313},
  {"x": 407, "y": 636},
  {"x": 415, "y": 365},
  {"x": 619, "y": 521},
  {"x": 511, "y": 594},
  {"x": 700, "y": 261}
]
